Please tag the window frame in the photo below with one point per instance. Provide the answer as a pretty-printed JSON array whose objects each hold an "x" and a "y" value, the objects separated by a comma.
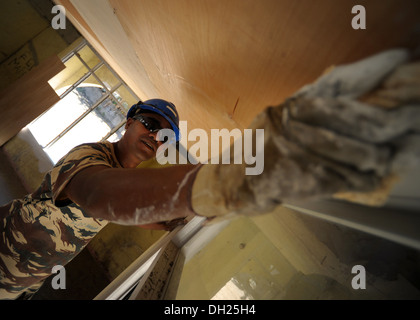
[{"x": 108, "y": 92}]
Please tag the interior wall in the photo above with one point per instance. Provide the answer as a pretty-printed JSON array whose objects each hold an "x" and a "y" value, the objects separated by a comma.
[
  {"x": 29, "y": 161},
  {"x": 27, "y": 38},
  {"x": 284, "y": 255},
  {"x": 27, "y": 41},
  {"x": 17, "y": 54},
  {"x": 29, "y": 47},
  {"x": 10, "y": 187}
]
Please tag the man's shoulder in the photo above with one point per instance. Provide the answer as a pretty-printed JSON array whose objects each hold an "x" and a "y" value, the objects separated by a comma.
[
  {"x": 88, "y": 150},
  {"x": 104, "y": 146}
]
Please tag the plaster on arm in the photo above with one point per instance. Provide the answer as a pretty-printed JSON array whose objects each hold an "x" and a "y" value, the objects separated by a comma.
[{"x": 134, "y": 196}]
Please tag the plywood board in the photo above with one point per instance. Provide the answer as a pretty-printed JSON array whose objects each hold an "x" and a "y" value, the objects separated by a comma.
[
  {"x": 27, "y": 98},
  {"x": 222, "y": 62}
]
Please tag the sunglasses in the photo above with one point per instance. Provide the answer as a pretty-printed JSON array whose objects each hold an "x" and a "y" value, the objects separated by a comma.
[{"x": 149, "y": 123}]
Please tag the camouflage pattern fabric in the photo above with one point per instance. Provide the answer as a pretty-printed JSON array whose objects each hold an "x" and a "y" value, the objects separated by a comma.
[{"x": 43, "y": 229}]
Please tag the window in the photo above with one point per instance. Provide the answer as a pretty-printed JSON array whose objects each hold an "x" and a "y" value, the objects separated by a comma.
[{"x": 93, "y": 104}]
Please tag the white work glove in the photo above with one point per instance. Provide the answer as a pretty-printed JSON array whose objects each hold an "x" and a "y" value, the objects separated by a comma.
[{"x": 326, "y": 141}]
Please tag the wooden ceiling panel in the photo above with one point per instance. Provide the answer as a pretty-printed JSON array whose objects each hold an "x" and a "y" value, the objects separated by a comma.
[{"x": 222, "y": 62}]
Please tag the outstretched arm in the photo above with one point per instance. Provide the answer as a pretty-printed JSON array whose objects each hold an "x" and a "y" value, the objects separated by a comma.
[{"x": 133, "y": 196}]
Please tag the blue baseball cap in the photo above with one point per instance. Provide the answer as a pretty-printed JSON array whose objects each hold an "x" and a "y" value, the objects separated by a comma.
[{"x": 162, "y": 107}]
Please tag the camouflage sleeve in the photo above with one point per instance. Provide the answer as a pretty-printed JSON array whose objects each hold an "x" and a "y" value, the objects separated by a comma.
[{"x": 79, "y": 158}]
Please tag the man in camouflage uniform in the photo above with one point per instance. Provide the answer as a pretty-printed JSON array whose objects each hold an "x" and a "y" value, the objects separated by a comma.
[
  {"x": 48, "y": 228},
  {"x": 40, "y": 232}
]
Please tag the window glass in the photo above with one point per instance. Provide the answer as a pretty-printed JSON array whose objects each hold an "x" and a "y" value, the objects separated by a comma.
[
  {"x": 91, "y": 129},
  {"x": 117, "y": 135},
  {"x": 50, "y": 124},
  {"x": 89, "y": 57},
  {"x": 109, "y": 113},
  {"x": 72, "y": 73},
  {"x": 88, "y": 112},
  {"x": 107, "y": 77},
  {"x": 125, "y": 98},
  {"x": 90, "y": 91}
]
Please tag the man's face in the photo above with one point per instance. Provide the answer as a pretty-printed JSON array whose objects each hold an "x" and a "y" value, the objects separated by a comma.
[{"x": 141, "y": 141}]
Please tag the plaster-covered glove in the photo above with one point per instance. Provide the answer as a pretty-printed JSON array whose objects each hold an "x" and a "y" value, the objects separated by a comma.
[{"x": 324, "y": 141}]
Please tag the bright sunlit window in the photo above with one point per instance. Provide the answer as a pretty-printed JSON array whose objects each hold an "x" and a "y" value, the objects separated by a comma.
[
  {"x": 232, "y": 291},
  {"x": 93, "y": 104}
]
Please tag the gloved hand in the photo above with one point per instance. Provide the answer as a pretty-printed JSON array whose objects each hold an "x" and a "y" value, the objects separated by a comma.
[{"x": 325, "y": 141}]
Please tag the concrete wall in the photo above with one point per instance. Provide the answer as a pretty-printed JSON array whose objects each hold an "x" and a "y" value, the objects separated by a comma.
[
  {"x": 29, "y": 161},
  {"x": 10, "y": 185},
  {"x": 27, "y": 38},
  {"x": 26, "y": 41}
]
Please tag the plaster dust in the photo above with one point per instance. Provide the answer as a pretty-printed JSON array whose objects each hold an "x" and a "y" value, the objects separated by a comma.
[
  {"x": 153, "y": 213},
  {"x": 357, "y": 78},
  {"x": 145, "y": 215}
]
